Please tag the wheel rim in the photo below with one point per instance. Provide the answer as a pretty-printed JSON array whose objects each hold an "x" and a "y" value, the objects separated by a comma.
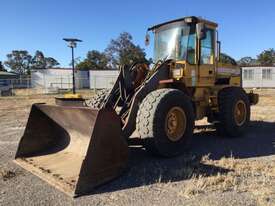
[
  {"x": 175, "y": 123},
  {"x": 240, "y": 113}
]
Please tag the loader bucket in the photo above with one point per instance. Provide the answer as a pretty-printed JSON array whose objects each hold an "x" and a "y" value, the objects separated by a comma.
[{"x": 73, "y": 148}]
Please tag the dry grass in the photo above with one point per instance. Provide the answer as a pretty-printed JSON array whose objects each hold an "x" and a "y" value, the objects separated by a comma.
[
  {"x": 243, "y": 176},
  {"x": 263, "y": 196}
]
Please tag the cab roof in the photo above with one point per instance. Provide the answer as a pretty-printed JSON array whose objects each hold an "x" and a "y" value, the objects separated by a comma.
[{"x": 188, "y": 19}]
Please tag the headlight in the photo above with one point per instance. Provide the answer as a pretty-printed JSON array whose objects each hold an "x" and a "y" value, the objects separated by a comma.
[{"x": 176, "y": 72}]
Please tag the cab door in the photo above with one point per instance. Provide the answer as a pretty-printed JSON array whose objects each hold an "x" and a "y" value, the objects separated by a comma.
[{"x": 206, "y": 66}]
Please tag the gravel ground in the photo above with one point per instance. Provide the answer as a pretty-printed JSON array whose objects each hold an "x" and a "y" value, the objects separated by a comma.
[{"x": 217, "y": 171}]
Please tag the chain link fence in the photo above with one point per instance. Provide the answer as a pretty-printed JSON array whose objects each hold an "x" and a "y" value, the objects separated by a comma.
[{"x": 54, "y": 85}]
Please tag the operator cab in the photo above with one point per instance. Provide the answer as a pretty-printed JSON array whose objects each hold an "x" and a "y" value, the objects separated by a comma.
[
  {"x": 179, "y": 38},
  {"x": 191, "y": 42}
]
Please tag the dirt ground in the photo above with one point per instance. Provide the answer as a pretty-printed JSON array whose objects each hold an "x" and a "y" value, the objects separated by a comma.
[{"x": 217, "y": 171}]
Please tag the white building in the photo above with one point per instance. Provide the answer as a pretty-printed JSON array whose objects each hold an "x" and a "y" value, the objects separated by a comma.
[
  {"x": 61, "y": 78},
  {"x": 58, "y": 78},
  {"x": 258, "y": 77},
  {"x": 100, "y": 79}
]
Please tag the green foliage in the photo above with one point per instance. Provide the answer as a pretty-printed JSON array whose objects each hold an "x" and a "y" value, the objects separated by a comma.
[
  {"x": 51, "y": 62},
  {"x": 267, "y": 57},
  {"x": 39, "y": 61},
  {"x": 123, "y": 51},
  {"x": 247, "y": 61},
  {"x": 2, "y": 68},
  {"x": 226, "y": 59},
  {"x": 77, "y": 60},
  {"x": 19, "y": 61},
  {"x": 119, "y": 51},
  {"x": 94, "y": 60}
]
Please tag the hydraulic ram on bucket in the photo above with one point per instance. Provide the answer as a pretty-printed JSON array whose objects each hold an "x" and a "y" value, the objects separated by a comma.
[{"x": 73, "y": 148}]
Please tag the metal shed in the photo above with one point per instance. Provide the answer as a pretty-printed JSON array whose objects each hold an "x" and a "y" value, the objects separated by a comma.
[
  {"x": 6, "y": 82},
  {"x": 58, "y": 78},
  {"x": 100, "y": 79},
  {"x": 258, "y": 77}
]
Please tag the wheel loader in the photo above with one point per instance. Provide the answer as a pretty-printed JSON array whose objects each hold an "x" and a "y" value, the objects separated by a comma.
[{"x": 76, "y": 147}]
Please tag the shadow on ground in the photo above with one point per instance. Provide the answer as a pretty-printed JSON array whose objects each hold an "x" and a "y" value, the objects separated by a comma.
[
  {"x": 145, "y": 169},
  {"x": 258, "y": 141}
]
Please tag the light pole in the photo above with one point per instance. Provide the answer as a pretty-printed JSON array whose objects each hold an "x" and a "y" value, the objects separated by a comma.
[{"x": 72, "y": 43}]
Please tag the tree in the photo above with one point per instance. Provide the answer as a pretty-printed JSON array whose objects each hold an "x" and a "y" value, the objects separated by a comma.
[
  {"x": 39, "y": 61},
  {"x": 94, "y": 60},
  {"x": 226, "y": 59},
  {"x": 19, "y": 61},
  {"x": 77, "y": 60},
  {"x": 123, "y": 51},
  {"x": 51, "y": 62},
  {"x": 2, "y": 68},
  {"x": 267, "y": 57},
  {"x": 247, "y": 61}
]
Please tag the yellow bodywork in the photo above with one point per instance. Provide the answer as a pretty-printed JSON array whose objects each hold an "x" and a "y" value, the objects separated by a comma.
[
  {"x": 72, "y": 96},
  {"x": 204, "y": 81}
]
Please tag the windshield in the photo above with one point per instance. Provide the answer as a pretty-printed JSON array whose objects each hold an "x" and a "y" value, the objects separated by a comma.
[{"x": 175, "y": 41}]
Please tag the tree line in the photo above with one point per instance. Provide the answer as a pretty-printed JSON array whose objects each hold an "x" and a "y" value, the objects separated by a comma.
[
  {"x": 265, "y": 58},
  {"x": 21, "y": 62},
  {"x": 119, "y": 51},
  {"x": 123, "y": 51}
]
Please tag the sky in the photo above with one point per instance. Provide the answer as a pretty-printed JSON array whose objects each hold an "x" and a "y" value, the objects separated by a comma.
[{"x": 246, "y": 27}]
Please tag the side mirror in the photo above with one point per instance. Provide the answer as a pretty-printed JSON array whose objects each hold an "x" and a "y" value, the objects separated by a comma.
[
  {"x": 201, "y": 30},
  {"x": 147, "y": 39}
]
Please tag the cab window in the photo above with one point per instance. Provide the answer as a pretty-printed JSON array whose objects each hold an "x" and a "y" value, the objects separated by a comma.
[
  {"x": 191, "y": 49},
  {"x": 207, "y": 48}
]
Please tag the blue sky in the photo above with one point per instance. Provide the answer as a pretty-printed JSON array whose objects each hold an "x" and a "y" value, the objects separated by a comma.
[{"x": 245, "y": 27}]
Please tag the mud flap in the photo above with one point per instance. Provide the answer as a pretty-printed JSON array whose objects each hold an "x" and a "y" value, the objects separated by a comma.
[{"x": 74, "y": 149}]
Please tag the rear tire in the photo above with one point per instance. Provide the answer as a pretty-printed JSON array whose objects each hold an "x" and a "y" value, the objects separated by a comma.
[
  {"x": 165, "y": 121},
  {"x": 234, "y": 112},
  {"x": 97, "y": 100}
]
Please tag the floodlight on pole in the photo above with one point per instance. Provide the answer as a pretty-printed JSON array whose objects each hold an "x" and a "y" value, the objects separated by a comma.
[{"x": 72, "y": 43}]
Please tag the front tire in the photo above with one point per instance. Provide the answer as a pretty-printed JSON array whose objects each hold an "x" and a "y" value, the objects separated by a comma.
[{"x": 165, "y": 121}]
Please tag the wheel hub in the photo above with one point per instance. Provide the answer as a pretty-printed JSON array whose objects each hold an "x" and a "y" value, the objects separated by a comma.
[
  {"x": 175, "y": 123},
  {"x": 240, "y": 113}
]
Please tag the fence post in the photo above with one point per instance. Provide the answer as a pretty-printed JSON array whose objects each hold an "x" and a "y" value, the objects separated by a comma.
[
  {"x": 94, "y": 84},
  {"x": 29, "y": 83},
  {"x": 44, "y": 80},
  {"x": 12, "y": 87},
  {"x": 261, "y": 76}
]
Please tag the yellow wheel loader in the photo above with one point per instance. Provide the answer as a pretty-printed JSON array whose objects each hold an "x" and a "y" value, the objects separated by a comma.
[{"x": 76, "y": 147}]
